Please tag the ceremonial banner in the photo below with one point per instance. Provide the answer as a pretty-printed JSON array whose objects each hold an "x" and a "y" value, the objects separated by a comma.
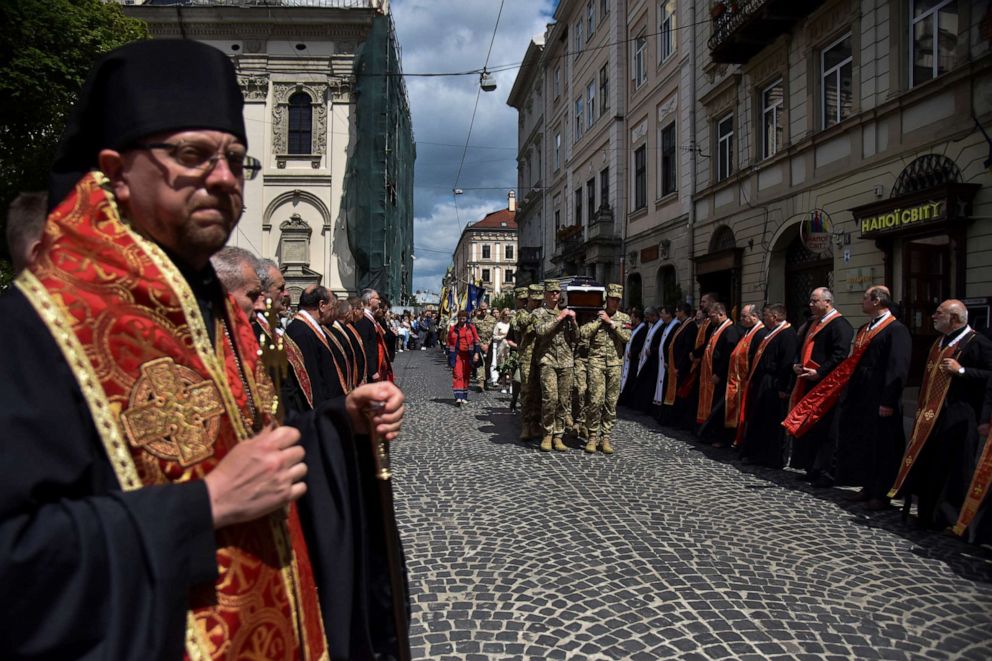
[
  {"x": 824, "y": 395},
  {"x": 933, "y": 392}
]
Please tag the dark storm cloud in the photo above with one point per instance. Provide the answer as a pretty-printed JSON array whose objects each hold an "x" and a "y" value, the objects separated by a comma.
[{"x": 454, "y": 35}]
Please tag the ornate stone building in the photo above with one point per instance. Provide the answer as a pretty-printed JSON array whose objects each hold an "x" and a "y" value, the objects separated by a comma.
[
  {"x": 318, "y": 207},
  {"x": 487, "y": 252}
]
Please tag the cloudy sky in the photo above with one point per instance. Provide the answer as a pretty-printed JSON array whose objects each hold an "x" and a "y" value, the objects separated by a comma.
[{"x": 454, "y": 35}]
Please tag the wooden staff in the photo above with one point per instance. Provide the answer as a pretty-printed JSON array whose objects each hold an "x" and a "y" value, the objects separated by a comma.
[{"x": 383, "y": 474}]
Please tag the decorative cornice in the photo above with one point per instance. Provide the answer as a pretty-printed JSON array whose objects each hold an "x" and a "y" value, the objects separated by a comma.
[{"x": 254, "y": 87}]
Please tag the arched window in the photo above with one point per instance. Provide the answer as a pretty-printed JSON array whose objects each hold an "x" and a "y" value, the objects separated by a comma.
[{"x": 300, "y": 123}]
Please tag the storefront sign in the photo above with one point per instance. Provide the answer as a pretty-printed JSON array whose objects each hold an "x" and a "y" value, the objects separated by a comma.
[
  {"x": 649, "y": 254},
  {"x": 900, "y": 218}
]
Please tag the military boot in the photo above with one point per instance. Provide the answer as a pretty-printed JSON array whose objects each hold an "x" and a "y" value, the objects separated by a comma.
[
  {"x": 591, "y": 445},
  {"x": 546, "y": 443},
  {"x": 605, "y": 446},
  {"x": 559, "y": 445}
]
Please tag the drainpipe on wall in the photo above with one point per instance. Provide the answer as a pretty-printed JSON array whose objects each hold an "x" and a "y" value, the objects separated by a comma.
[{"x": 691, "y": 227}]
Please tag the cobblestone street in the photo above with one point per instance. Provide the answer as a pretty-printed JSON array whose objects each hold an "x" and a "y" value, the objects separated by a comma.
[{"x": 664, "y": 550}]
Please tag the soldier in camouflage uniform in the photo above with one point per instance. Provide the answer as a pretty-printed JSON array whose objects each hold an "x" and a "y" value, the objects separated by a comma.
[
  {"x": 484, "y": 323},
  {"x": 556, "y": 333},
  {"x": 520, "y": 298},
  {"x": 530, "y": 406},
  {"x": 580, "y": 388},
  {"x": 607, "y": 336}
]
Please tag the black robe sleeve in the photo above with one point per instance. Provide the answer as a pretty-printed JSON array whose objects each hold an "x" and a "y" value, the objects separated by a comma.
[
  {"x": 367, "y": 331},
  {"x": 316, "y": 359},
  {"x": 86, "y": 569},
  {"x": 897, "y": 367}
]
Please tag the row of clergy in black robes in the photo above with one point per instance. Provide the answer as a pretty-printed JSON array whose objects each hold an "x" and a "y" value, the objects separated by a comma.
[
  {"x": 336, "y": 365},
  {"x": 71, "y": 540}
]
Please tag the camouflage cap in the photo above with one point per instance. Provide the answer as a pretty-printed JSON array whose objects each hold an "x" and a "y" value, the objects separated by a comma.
[
  {"x": 552, "y": 285},
  {"x": 520, "y": 292},
  {"x": 536, "y": 292},
  {"x": 613, "y": 290}
]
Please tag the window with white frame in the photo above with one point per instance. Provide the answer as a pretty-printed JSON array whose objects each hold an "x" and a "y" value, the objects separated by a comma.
[
  {"x": 835, "y": 81},
  {"x": 604, "y": 89},
  {"x": 579, "y": 43},
  {"x": 772, "y": 102},
  {"x": 591, "y": 103},
  {"x": 485, "y": 275},
  {"x": 579, "y": 119},
  {"x": 933, "y": 38},
  {"x": 640, "y": 68},
  {"x": 557, "y": 151},
  {"x": 590, "y": 17},
  {"x": 725, "y": 147},
  {"x": 487, "y": 251},
  {"x": 640, "y": 178},
  {"x": 508, "y": 275},
  {"x": 508, "y": 251},
  {"x": 666, "y": 146},
  {"x": 557, "y": 82},
  {"x": 666, "y": 29}
]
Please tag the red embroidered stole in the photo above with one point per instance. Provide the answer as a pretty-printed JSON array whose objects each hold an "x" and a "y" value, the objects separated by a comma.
[
  {"x": 353, "y": 377},
  {"x": 385, "y": 368},
  {"x": 737, "y": 378},
  {"x": 706, "y": 385},
  {"x": 169, "y": 406},
  {"x": 671, "y": 371},
  {"x": 344, "y": 377},
  {"x": 361, "y": 347},
  {"x": 294, "y": 356},
  {"x": 977, "y": 490},
  {"x": 742, "y": 416},
  {"x": 821, "y": 399},
  {"x": 933, "y": 393},
  {"x": 318, "y": 330},
  {"x": 806, "y": 359}
]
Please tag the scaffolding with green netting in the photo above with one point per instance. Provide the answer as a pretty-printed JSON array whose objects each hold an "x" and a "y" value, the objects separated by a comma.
[{"x": 378, "y": 185}]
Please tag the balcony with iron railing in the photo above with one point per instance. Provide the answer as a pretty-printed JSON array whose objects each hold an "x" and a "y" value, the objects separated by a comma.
[{"x": 742, "y": 28}]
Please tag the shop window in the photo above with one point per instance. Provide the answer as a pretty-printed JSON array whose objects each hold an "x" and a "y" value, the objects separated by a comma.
[
  {"x": 933, "y": 34},
  {"x": 772, "y": 102},
  {"x": 836, "y": 82}
]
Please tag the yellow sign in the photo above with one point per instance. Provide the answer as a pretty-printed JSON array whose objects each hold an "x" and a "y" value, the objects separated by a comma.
[{"x": 898, "y": 218}]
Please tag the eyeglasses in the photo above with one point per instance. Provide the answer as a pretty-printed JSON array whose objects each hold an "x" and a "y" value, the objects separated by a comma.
[{"x": 202, "y": 158}]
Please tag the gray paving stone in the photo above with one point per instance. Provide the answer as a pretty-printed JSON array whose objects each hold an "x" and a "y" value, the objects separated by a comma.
[{"x": 663, "y": 550}]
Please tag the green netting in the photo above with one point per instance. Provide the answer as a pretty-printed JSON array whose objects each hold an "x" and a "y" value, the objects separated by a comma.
[{"x": 378, "y": 185}]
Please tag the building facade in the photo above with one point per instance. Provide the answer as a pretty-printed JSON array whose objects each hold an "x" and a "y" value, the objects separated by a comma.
[
  {"x": 767, "y": 147},
  {"x": 845, "y": 149},
  {"x": 334, "y": 202},
  {"x": 486, "y": 252}
]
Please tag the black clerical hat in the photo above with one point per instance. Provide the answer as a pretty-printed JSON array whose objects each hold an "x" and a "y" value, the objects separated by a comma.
[{"x": 144, "y": 88}]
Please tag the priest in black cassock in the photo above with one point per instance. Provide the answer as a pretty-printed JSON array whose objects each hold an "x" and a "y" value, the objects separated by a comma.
[
  {"x": 142, "y": 467},
  {"x": 725, "y": 336},
  {"x": 825, "y": 343},
  {"x": 647, "y": 376},
  {"x": 307, "y": 331},
  {"x": 945, "y": 461},
  {"x": 767, "y": 394},
  {"x": 871, "y": 436},
  {"x": 632, "y": 355}
]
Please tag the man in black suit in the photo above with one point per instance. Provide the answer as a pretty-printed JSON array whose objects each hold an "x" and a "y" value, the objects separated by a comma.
[
  {"x": 825, "y": 343},
  {"x": 870, "y": 430},
  {"x": 940, "y": 459},
  {"x": 307, "y": 331},
  {"x": 366, "y": 326}
]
